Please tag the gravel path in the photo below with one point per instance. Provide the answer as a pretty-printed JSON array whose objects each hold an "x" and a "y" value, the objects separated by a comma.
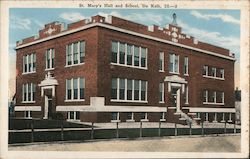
[{"x": 166, "y": 144}]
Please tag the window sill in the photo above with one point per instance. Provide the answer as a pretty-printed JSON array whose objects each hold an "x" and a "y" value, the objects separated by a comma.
[
  {"x": 79, "y": 64},
  {"x": 26, "y": 73},
  {"x": 186, "y": 74},
  {"x": 128, "y": 101},
  {"x": 212, "y": 77},
  {"x": 186, "y": 103},
  {"x": 171, "y": 107},
  {"x": 162, "y": 119},
  {"x": 130, "y": 120},
  {"x": 161, "y": 102},
  {"x": 176, "y": 73},
  {"x": 115, "y": 121},
  {"x": 210, "y": 103},
  {"x": 161, "y": 71},
  {"x": 130, "y": 66},
  {"x": 77, "y": 100},
  {"x": 73, "y": 120},
  {"x": 144, "y": 120},
  {"x": 49, "y": 69},
  {"x": 28, "y": 102}
]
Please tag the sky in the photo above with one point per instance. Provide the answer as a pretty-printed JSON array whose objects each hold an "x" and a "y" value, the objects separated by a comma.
[{"x": 218, "y": 27}]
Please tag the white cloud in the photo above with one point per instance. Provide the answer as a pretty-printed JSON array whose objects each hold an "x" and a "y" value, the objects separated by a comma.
[
  {"x": 20, "y": 23},
  {"x": 229, "y": 42},
  {"x": 72, "y": 16},
  {"x": 40, "y": 24},
  {"x": 137, "y": 17},
  {"x": 223, "y": 17}
]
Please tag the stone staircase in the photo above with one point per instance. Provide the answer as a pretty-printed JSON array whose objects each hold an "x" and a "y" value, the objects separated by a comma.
[{"x": 183, "y": 117}]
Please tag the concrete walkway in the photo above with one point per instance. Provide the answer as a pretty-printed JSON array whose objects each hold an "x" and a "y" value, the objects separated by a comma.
[{"x": 211, "y": 143}]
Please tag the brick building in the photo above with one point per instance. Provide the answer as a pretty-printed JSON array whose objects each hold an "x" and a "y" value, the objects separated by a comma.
[{"x": 106, "y": 69}]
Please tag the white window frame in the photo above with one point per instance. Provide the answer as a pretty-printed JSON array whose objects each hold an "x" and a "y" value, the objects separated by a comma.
[
  {"x": 206, "y": 92},
  {"x": 215, "y": 99},
  {"x": 32, "y": 69},
  {"x": 32, "y": 98},
  {"x": 133, "y": 64},
  {"x": 215, "y": 75},
  {"x": 72, "y": 90},
  {"x": 132, "y": 118},
  {"x": 186, "y": 62},
  {"x": 163, "y": 116},
  {"x": 175, "y": 71},
  {"x": 117, "y": 118},
  {"x": 162, "y": 95},
  {"x": 72, "y": 53},
  {"x": 146, "y": 117},
  {"x": 29, "y": 114},
  {"x": 133, "y": 89},
  {"x": 161, "y": 59},
  {"x": 50, "y": 52},
  {"x": 74, "y": 119}
]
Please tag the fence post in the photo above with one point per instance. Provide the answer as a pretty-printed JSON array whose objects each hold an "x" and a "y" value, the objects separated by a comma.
[
  {"x": 190, "y": 128},
  {"x": 202, "y": 128},
  {"x": 62, "y": 138},
  {"x": 225, "y": 128},
  {"x": 141, "y": 129},
  {"x": 159, "y": 132},
  {"x": 234, "y": 127},
  {"x": 92, "y": 130},
  {"x": 32, "y": 130},
  {"x": 175, "y": 129},
  {"x": 117, "y": 130}
]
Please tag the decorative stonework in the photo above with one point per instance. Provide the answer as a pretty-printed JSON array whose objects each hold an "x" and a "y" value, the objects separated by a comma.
[
  {"x": 50, "y": 30},
  {"x": 175, "y": 79},
  {"x": 48, "y": 81}
]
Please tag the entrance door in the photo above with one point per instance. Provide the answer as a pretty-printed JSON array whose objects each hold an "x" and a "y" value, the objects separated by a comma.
[
  {"x": 47, "y": 106},
  {"x": 175, "y": 93}
]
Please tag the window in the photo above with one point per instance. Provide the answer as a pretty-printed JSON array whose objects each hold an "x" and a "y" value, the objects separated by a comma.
[
  {"x": 161, "y": 92},
  {"x": 213, "y": 97},
  {"x": 143, "y": 57},
  {"x": 28, "y": 114},
  {"x": 221, "y": 73},
  {"x": 144, "y": 116},
  {"x": 50, "y": 55},
  {"x": 220, "y": 97},
  {"x": 162, "y": 116},
  {"x": 128, "y": 90},
  {"x": 114, "y": 89},
  {"x": 122, "y": 89},
  {"x": 115, "y": 116},
  {"x": 130, "y": 116},
  {"x": 161, "y": 61},
  {"x": 143, "y": 90},
  {"x": 205, "y": 70},
  {"x": 185, "y": 65},
  {"x": 213, "y": 71},
  {"x": 136, "y": 89},
  {"x": 29, "y": 63},
  {"x": 136, "y": 56},
  {"x": 28, "y": 92},
  {"x": 75, "y": 89},
  {"x": 205, "y": 96},
  {"x": 128, "y": 55},
  {"x": 174, "y": 63},
  {"x": 122, "y": 53},
  {"x": 74, "y": 115},
  {"x": 75, "y": 53}
]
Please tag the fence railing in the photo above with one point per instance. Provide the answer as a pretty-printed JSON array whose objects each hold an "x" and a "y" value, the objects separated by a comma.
[{"x": 114, "y": 130}]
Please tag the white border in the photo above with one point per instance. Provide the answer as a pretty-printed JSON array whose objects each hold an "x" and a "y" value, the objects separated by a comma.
[{"x": 215, "y": 4}]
